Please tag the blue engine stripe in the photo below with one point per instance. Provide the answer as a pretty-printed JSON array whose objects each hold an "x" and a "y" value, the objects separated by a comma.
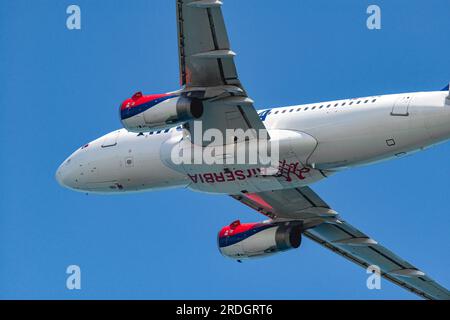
[
  {"x": 238, "y": 237},
  {"x": 130, "y": 112}
]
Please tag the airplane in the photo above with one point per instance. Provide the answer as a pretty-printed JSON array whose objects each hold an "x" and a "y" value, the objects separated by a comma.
[{"x": 313, "y": 142}]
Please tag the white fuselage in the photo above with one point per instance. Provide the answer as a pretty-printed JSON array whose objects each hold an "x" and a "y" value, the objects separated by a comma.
[{"x": 321, "y": 138}]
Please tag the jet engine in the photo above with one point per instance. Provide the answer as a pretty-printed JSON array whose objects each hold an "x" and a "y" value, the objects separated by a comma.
[
  {"x": 143, "y": 113},
  {"x": 251, "y": 240}
]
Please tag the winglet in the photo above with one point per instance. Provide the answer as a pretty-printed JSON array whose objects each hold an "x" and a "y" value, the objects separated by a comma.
[{"x": 447, "y": 88}]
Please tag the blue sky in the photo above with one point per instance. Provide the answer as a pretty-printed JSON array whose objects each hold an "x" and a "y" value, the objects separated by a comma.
[{"x": 61, "y": 88}]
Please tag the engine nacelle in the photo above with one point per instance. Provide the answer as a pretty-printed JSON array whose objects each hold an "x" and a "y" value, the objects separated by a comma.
[
  {"x": 143, "y": 113},
  {"x": 251, "y": 240}
]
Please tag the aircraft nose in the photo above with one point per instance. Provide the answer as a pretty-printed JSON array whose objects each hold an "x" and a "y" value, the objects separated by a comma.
[
  {"x": 66, "y": 174},
  {"x": 59, "y": 176},
  {"x": 62, "y": 175}
]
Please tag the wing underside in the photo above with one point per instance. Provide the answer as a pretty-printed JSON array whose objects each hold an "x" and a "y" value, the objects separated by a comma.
[
  {"x": 204, "y": 50},
  {"x": 324, "y": 226},
  {"x": 208, "y": 71}
]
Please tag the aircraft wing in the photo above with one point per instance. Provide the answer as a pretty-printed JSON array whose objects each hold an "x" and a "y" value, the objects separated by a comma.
[
  {"x": 324, "y": 226},
  {"x": 207, "y": 69}
]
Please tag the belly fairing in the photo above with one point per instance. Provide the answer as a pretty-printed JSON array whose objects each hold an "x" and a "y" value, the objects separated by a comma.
[{"x": 289, "y": 170}]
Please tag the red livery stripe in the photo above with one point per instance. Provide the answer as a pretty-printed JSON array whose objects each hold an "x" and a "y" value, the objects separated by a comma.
[{"x": 139, "y": 99}]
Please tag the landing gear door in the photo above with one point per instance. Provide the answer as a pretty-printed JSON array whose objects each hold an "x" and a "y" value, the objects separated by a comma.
[{"x": 401, "y": 106}]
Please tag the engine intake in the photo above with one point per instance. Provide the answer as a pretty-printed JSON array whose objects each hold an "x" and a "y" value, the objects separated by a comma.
[
  {"x": 250, "y": 240},
  {"x": 143, "y": 113}
]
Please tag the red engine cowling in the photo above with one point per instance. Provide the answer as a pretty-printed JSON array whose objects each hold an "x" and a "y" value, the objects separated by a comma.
[
  {"x": 250, "y": 240},
  {"x": 143, "y": 113}
]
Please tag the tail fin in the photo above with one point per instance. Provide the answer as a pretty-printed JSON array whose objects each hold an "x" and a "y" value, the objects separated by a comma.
[{"x": 447, "y": 100}]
